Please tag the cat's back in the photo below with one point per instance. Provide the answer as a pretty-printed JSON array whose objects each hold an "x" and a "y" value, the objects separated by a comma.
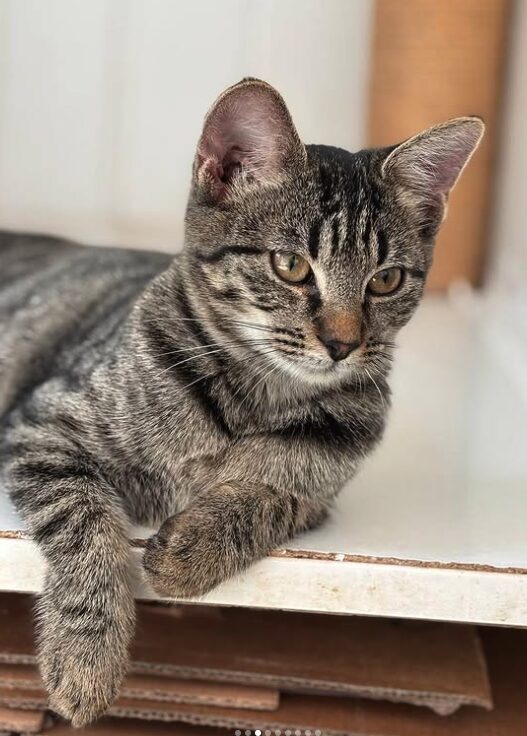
[{"x": 57, "y": 299}]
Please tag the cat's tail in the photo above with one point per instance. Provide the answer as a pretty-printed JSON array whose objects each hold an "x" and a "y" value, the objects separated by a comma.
[{"x": 86, "y": 612}]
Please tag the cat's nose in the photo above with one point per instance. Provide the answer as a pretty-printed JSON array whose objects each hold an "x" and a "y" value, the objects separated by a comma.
[
  {"x": 340, "y": 332},
  {"x": 339, "y": 350}
]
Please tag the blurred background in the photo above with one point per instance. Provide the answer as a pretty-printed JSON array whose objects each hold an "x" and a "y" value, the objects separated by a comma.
[
  {"x": 101, "y": 105},
  {"x": 102, "y": 102}
]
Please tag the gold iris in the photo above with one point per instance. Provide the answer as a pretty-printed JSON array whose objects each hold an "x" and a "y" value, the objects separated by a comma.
[
  {"x": 290, "y": 267},
  {"x": 385, "y": 281}
]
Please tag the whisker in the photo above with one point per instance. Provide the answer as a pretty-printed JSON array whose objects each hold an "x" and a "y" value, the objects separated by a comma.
[
  {"x": 251, "y": 358},
  {"x": 293, "y": 331},
  {"x": 382, "y": 344},
  {"x": 231, "y": 343},
  {"x": 255, "y": 326},
  {"x": 376, "y": 385},
  {"x": 192, "y": 357}
]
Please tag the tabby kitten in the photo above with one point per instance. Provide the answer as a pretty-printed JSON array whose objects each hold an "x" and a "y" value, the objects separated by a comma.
[{"x": 227, "y": 393}]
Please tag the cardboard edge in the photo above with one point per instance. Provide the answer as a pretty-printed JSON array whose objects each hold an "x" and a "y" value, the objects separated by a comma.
[
  {"x": 156, "y": 697},
  {"x": 442, "y": 704}
]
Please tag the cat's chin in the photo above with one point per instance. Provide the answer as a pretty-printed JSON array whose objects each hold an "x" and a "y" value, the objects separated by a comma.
[{"x": 318, "y": 373}]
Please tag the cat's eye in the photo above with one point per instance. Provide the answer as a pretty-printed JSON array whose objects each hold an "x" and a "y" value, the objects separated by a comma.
[
  {"x": 385, "y": 281},
  {"x": 290, "y": 267}
]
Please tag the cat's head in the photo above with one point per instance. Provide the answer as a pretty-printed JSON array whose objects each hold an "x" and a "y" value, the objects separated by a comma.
[{"x": 309, "y": 255}]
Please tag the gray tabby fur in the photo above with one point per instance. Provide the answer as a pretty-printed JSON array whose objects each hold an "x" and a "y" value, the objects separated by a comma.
[{"x": 192, "y": 392}]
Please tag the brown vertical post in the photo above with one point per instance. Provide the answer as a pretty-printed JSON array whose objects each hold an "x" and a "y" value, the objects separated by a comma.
[{"x": 434, "y": 60}]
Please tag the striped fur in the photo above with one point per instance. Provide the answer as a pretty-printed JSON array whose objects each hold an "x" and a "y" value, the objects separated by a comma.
[{"x": 192, "y": 392}]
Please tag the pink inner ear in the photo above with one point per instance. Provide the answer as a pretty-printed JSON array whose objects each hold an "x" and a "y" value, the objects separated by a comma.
[
  {"x": 430, "y": 163},
  {"x": 428, "y": 169},
  {"x": 249, "y": 130},
  {"x": 444, "y": 165}
]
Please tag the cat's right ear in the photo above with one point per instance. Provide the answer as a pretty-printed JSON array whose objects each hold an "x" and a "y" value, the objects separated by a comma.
[
  {"x": 248, "y": 139},
  {"x": 427, "y": 166}
]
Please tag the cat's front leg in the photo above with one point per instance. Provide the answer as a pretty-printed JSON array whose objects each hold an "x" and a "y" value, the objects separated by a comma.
[
  {"x": 86, "y": 611},
  {"x": 222, "y": 533},
  {"x": 262, "y": 492}
]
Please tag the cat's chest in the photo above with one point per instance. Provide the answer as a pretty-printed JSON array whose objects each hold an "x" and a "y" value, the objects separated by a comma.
[
  {"x": 194, "y": 458},
  {"x": 163, "y": 484}
]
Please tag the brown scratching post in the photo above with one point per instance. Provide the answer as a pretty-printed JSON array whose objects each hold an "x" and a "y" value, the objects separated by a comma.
[{"x": 433, "y": 61}]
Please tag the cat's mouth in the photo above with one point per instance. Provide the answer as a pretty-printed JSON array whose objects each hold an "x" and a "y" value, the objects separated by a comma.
[
  {"x": 307, "y": 362},
  {"x": 317, "y": 368}
]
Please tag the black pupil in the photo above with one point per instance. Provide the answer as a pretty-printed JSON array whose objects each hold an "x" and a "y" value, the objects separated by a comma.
[
  {"x": 292, "y": 262},
  {"x": 386, "y": 276}
]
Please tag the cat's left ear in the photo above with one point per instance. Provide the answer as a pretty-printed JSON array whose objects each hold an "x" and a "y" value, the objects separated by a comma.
[
  {"x": 427, "y": 166},
  {"x": 248, "y": 138}
]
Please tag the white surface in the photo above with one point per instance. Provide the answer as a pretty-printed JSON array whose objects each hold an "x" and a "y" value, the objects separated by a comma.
[
  {"x": 357, "y": 588},
  {"x": 447, "y": 485},
  {"x": 102, "y": 102},
  {"x": 449, "y": 481}
]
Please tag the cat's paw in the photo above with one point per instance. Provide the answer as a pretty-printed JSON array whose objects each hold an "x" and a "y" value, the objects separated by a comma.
[
  {"x": 81, "y": 673},
  {"x": 82, "y": 683},
  {"x": 186, "y": 558},
  {"x": 80, "y": 708}
]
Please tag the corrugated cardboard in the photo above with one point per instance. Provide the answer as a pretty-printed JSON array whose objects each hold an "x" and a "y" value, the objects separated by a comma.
[
  {"x": 419, "y": 663},
  {"x": 131, "y": 727},
  {"x": 21, "y": 721},
  {"x": 437, "y": 665},
  {"x": 507, "y": 654},
  {"x": 333, "y": 716},
  {"x": 163, "y": 689}
]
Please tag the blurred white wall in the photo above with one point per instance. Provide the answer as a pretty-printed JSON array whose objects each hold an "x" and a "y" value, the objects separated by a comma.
[{"x": 101, "y": 102}]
